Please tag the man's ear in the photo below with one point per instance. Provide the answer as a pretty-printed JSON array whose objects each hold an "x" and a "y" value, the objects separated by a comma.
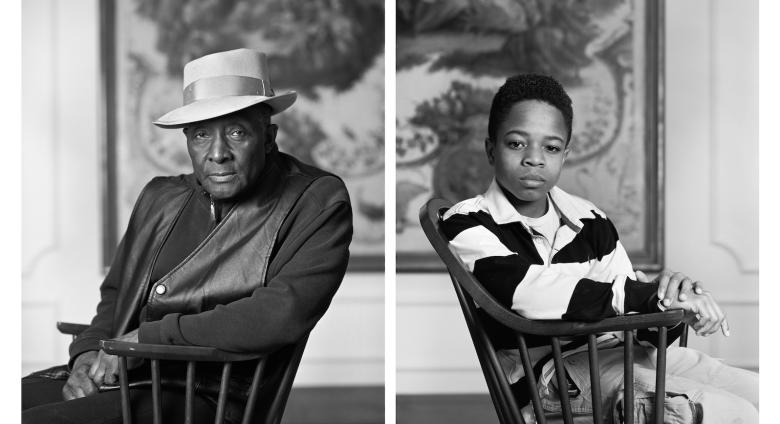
[
  {"x": 490, "y": 149},
  {"x": 270, "y": 140}
]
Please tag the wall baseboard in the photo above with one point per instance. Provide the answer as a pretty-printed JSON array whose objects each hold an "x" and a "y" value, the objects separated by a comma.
[
  {"x": 445, "y": 409},
  {"x": 331, "y": 405}
]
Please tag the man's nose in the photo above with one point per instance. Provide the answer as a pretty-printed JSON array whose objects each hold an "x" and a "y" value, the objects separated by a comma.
[
  {"x": 533, "y": 156},
  {"x": 219, "y": 151}
]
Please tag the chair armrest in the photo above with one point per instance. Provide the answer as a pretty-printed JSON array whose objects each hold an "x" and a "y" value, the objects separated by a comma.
[
  {"x": 71, "y": 328},
  {"x": 173, "y": 352},
  {"x": 576, "y": 328}
]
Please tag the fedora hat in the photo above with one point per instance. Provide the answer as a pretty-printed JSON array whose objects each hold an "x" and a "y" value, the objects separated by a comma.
[{"x": 223, "y": 83}]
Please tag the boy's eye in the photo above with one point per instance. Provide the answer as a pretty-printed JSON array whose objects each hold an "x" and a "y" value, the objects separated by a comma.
[
  {"x": 553, "y": 149},
  {"x": 514, "y": 144}
]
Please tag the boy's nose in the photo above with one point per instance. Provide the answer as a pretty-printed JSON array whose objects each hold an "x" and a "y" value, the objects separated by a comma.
[{"x": 533, "y": 157}]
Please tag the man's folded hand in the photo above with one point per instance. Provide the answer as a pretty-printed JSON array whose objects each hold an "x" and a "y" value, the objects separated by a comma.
[{"x": 79, "y": 383}]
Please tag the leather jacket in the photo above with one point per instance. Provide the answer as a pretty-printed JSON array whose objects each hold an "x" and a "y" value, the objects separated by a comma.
[{"x": 272, "y": 265}]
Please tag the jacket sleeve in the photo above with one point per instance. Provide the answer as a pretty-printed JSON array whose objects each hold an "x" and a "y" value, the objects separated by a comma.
[
  {"x": 307, "y": 269},
  {"x": 602, "y": 287},
  {"x": 102, "y": 325}
]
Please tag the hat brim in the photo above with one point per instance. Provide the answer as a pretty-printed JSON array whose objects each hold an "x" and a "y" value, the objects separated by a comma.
[{"x": 202, "y": 110}]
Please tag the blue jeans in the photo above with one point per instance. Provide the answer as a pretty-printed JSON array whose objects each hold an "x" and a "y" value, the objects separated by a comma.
[{"x": 699, "y": 388}]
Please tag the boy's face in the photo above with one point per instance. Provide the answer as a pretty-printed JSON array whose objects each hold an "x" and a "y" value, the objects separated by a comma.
[{"x": 528, "y": 154}]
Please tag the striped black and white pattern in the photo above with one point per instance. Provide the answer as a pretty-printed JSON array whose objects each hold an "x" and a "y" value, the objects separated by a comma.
[{"x": 584, "y": 274}]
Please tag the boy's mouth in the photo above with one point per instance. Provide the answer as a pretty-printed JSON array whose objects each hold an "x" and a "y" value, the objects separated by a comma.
[{"x": 532, "y": 181}]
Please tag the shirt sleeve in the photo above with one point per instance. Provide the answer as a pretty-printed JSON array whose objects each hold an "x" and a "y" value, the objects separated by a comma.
[
  {"x": 601, "y": 287},
  {"x": 311, "y": 262},
  {"x": 102, "y": 324}
]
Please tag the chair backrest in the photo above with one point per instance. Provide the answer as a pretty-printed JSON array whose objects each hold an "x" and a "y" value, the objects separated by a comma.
[
  {"x": 274, "y": 407},
  {"x": 279, "y": 402},
  {"x": 471, "y": 293},
  {"x": 500, "y": 392}
]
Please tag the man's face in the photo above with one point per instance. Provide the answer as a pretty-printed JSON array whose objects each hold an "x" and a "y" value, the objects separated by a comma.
[
  {"x": 228, "y": 153},
  {"x": 528, "y": 154}
]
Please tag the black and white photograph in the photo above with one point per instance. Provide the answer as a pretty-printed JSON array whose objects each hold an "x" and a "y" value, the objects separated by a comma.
[
  {"x": 204, "y": 204},
  {"x": 585, "y": 174},
  {"x": 207, "y": 221}
]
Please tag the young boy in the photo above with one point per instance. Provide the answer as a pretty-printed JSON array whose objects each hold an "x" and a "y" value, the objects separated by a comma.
[{"x": 547, "y": 254}]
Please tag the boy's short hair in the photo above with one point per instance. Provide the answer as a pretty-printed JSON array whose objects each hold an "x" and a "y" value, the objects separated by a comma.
[{"x": 529, "y": 87}]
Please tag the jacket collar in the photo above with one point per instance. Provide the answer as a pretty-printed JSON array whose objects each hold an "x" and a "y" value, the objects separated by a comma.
[{"x": 571, "y": 209}]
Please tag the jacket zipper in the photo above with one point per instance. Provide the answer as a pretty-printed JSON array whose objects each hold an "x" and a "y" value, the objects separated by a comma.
[
  {"x": 214, "y": 216},
  {"x": 197, "y": 248},
  {"x": 148, "y": 276}
]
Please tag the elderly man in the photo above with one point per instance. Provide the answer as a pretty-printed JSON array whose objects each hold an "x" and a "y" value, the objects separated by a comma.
[{"x": 244, "y": 254}]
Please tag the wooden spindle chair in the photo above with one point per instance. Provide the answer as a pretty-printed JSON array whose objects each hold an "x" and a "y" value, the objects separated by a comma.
[
  {"x": 193, "y": 355},
  {"x": 472, "y": 294}
]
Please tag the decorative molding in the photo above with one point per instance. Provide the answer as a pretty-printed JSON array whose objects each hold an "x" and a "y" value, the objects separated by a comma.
[
  {"x": 344, "y": 360},
  {"x": 53, "y": 244},
  {"x": 749, "y": 264},
  {"x": 52, "y": 309}
]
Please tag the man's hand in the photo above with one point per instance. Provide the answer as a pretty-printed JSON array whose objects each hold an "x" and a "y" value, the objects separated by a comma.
[
  {"x": 673, "y": 285},
  {"x": 79, "y": 383},
  {"x": 105, "y": 368},
  {"x": 708, "y": 316}
]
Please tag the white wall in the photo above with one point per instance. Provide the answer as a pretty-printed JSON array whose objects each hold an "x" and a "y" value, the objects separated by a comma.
[
  {"x": 61, "y": 245},
  {"x": 711, "y": 201}
]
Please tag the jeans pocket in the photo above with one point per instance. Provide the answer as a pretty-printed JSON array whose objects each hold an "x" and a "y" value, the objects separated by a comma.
[
  {"x": 577, "y": 387},
  {"x": 678, "y": 408}
]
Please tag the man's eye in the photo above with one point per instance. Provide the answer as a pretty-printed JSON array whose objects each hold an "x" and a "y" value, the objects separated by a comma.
[
  {"x": 237, "y": 133},
  {"x": 201, "y": 134}
]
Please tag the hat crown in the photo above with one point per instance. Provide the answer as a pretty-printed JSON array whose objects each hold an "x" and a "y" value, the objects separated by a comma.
[
  {"x": 239, "y": 62},
  {"x": 222, "y": 83}
]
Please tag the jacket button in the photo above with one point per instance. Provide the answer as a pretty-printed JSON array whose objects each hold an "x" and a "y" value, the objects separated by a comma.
[{"x": 160, "y": 289}]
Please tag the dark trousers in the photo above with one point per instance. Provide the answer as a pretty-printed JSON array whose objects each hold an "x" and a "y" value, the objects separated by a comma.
[{"x": 42, "y": 403}]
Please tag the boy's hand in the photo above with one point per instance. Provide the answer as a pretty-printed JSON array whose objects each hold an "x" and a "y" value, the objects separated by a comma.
[
  {"x": 708, "y": 316},
  {"x": 673, "y": 285}
]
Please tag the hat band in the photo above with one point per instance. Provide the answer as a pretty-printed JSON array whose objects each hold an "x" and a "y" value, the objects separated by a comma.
[{"x": 226, "y": 85}]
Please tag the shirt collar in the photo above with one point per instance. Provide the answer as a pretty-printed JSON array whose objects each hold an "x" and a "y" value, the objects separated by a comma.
[{"x": 502, "y": 211}]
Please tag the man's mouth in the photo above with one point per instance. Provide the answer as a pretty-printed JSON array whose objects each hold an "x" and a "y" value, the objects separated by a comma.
[{"x": 222, "y": 177}]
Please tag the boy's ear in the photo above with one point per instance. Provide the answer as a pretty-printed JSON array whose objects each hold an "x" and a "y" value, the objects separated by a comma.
[
  {"x": 490, "y": 149},
  {"x": 565, "y": 155}
]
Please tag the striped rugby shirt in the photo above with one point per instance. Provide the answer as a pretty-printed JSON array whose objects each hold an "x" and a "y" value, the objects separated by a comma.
[{"x": 582, "y": 274}]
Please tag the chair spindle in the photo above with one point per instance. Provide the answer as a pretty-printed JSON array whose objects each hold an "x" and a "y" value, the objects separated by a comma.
[
  {"x": 223, "y": 389},
  {"x": 684, "y": 336},
  {"x": 527, "y": 366},
  {"x": 253, "y": 392},
  {"x": 156, "y": 401},
  {"x": 563, "y": 386},
  {"x": 628, "y": 377},
  {"x": 500, "y": 392},
  {"x": 660, "y": 374},
  {"x": 189, "y": 392},
  {"x": 595, "y": 379},
  {"x": 124, "y": 391}
]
